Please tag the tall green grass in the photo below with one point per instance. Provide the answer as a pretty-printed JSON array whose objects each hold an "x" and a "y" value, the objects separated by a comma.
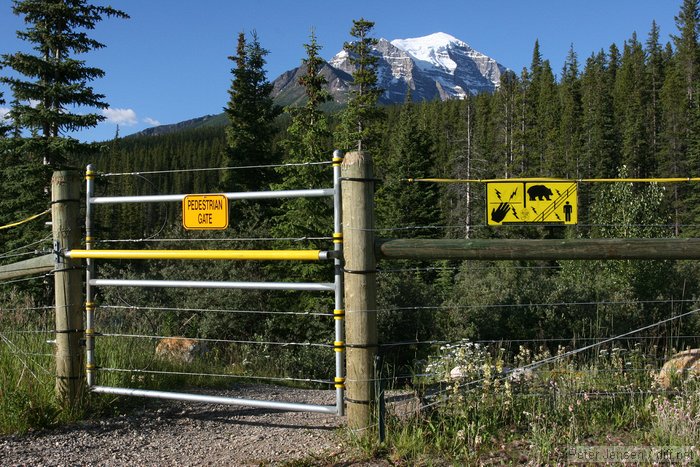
[
  {"x": 488, "y": 415},
  {"x": 27, "y": 382}
]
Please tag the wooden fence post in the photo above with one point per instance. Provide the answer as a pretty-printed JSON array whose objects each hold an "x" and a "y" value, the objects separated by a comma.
[
  {"x": 360, "y": 287},
  {"x": 68, "y": 276}
]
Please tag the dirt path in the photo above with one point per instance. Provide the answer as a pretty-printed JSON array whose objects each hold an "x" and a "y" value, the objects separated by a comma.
[{"x": 179, "y": 433}]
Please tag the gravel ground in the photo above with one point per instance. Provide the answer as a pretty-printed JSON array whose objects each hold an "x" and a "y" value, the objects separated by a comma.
[{"x": 182, "y": 433}]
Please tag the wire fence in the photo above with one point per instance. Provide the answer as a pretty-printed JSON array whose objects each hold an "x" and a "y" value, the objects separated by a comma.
[{"x": 169, "y": 317}]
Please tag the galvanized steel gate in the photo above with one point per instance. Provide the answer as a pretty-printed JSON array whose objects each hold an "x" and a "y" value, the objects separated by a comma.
[{"x": 90, "y": 255}]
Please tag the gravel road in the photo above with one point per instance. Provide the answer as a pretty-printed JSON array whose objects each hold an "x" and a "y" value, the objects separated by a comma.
[{"x": 181, "y": 433}]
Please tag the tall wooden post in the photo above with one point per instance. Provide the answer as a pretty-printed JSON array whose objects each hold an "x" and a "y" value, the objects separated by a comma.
[
  {"x": 360, "y": 287},
  {"x": 65, "y": 218}
]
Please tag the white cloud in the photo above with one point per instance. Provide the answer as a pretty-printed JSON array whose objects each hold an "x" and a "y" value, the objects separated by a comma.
[
  {"x": 4, "y": 111},
  {"x": 126, "y": 117},
  {"x": 151, "y": 121}
]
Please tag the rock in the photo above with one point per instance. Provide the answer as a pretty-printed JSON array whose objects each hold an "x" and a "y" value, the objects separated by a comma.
[{"x": 679, "y": 367}]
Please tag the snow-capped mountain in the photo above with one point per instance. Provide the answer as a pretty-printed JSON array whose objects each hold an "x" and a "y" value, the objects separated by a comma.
[{"x": 437, "y": 66}]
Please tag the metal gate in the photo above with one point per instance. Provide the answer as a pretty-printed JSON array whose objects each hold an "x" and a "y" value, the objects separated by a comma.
[{"x": 336, "y": 286}]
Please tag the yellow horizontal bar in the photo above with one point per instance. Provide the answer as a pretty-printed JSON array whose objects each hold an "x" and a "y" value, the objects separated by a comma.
[
  {"x": 253, "y": 255},
  {"x": 535, "y": 179}
]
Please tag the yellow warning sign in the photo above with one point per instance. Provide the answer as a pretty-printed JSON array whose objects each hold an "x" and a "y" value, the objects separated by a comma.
[
  {"x": 532, "y": 201},
  {"x": 205, "y": 212}
]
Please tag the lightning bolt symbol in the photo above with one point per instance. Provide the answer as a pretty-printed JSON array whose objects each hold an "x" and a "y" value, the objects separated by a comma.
[
  {"x": 515, "y": 213},
  {"x": 498, "y": 193},
  {"x": 558, "y": 192},
  {"x": 512, "y": 195},
  {"x": 534, "y": 210},
  {"x": 559, "y": 218}
]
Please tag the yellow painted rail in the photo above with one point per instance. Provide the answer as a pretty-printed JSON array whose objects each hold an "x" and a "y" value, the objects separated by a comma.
[
  {"x": 240, "y": 255},
  {"x": 539, "y": 179}
]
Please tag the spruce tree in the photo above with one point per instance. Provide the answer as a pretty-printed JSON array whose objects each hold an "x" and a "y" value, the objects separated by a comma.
[
  {"x": 551, "y": 162},
  {"x": 570, "y": 146},
  {"x": 631, "y": 98},
  {"x": 360, "y": 118},
  {"x": 251, "y": 113},
  {"x": 655, "y": 69},
  {"x": 531, "y": 152},
  {"x": 600, "y": 158},
  {"x": 681, "y": 113},
  {"x": 505, "y": 98},
  {"x": 55, "y": 80},
  {"x": 308, "y": 140}
]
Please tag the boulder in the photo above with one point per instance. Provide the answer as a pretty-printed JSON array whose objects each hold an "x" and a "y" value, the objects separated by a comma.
[{"x": 679, "y": 367}]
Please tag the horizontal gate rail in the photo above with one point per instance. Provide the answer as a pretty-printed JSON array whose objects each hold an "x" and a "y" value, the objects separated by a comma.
[
  {"x": 314, "y": 193},
  {"x": 250, "y": 255},
  {"x": 181, "y": 396},
  {"x": 306, "y": 286},
  {"x": 546, "y": 249}
]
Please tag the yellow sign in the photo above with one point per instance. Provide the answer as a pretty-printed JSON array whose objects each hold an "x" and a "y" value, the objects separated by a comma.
[
  {"x": 532, "y": 201},
  {"x": 205, "y": 212}
]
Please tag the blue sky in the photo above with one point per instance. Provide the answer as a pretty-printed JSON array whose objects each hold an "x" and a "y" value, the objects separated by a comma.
[{"x": 169, "y": 63}]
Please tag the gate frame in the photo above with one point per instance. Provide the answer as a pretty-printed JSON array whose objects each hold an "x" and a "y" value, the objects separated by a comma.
[{"x": 337, "y": 286}]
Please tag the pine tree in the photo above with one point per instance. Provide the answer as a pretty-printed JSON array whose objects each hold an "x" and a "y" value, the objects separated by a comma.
[
  {"x": 655, "y": 69},
  {"x": 631, "y": 98},
  {"x": 308, "y": 141},
  {"x": 681, "y": 114},
  {"x": 551, "y": 162},
  {"x": 600, "y": 158},
  {"x": 505, "y": 98},
  {"x": 251, "y": 113},
  {"x": 529, "y": 118},
  {"x": 360, "y": 118},
  {"x": 55, "y": 80},
  {"x": 570, "y": 145},
  {"x": 410, "y": 156}
]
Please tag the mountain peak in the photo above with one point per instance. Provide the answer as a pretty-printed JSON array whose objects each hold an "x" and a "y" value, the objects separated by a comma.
[
  {"x": 436, "y": 66},
  {"x": 434, "y": 41}
]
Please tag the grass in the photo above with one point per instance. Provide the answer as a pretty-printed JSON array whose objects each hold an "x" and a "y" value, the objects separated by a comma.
[
  {"x": 27, "y": 397},
  {"x": 488, "y": 415},
  {"x": 27, "y": 375},
  {"x": 477, "y": 409}
]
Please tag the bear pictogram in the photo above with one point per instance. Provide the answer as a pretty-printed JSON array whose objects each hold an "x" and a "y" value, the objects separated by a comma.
[{"x": 540, "y": 192}]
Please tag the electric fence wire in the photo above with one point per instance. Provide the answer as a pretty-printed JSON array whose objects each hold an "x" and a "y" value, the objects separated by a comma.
[
  {"x": 211, "y": 310},
  {"x": 20, "y": 353},
  {"x": 443, "y": 396},
  {"x": 43, "y": 276},
  {"x": 576, "y": 373},
  {"x": 9, "y": 253},
  {"x": 523, "y": 305},
  {"x": 26, "y": 308},
  {"x": 222, "y": 341},
  {"x": 211, "y": 169},
  {"x": 219, "y": 375}
]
